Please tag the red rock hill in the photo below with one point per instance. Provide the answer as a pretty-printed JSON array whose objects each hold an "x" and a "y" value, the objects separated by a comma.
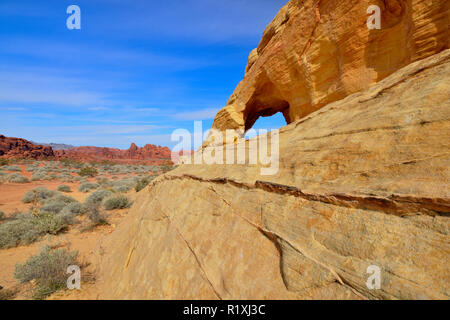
[
  {"x": 21, "y": 148},
  {"x": 149, "y": 153}
]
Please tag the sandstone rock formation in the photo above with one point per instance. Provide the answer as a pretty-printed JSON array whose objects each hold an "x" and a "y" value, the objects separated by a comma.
[
  {"x": 149, "y": 153},
  {"x": 316, "y": 52},
  {"x": 21, "y": 148},
  {"x": 362, "y": 180}
]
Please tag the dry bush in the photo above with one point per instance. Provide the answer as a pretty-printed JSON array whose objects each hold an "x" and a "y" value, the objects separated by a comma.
[
  {"x": 116, "y": 202},
  {"x": 48, "y": 270}
]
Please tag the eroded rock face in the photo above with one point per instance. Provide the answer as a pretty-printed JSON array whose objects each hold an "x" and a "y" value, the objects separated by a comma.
[
  {"x": 148, "y": 153},
  {"x": 21, "y": 148},
  {"x": 316, "y": 52},
  {"x": 362, "y": 182}
]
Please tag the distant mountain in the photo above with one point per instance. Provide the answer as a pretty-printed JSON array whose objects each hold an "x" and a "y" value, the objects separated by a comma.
[
  {"x": 149, "y": 152},
  {"x": 21, "y": 148},
  {"x": 55, "y": 146}
]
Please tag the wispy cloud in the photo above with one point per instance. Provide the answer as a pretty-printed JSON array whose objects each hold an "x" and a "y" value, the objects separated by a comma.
[{"x": 203, "y": 114}]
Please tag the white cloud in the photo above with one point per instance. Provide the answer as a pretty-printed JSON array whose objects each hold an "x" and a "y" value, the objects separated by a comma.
[
  {"x": 99, "y": 108},
  {"x": 203, "y": 114}
]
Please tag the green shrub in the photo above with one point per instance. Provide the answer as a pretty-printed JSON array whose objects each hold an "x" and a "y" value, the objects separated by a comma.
[
  {"x": 69, "y": 163},
  {"x": 42, "y": 193},
  {"x": 38, "y": 176},
  {"x": 4, "y": 162},
  {"x": 75, "y": 209},
  {"x": 17, "y": 178},
  {"x": 57, "y": 203},
  {"x": 125, "y": 184},
  {"x": 116, "y": 202},
  {"x": 123, "y": 188},
  {"x": 88, "y": 172},
  {"x": 64, "y": 188},
  {"x": 12, "y": 168},
  {"x": 88, "y": 186},
  {"x": 95, "y": 217},
  {"x": 96, "y": 197},
  {"x": 26, "y": 228},
  {"x": 8, "y": 294},
  {"x": 2, "y": 215},
  {"x": 142, "y": 183},
  {"x": 48, "y": 269}
]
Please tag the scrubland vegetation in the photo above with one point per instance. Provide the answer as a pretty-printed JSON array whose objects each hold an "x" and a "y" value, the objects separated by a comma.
[
  {"x": 48, "y": 270},
  {"x": 62, "y": 197}
]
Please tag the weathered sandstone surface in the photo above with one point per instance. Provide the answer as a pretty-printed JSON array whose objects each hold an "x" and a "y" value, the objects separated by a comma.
[
  {"x": 362, "y": 181},
  {"x": 21, "y": 148},
  {"x": 317, "y": 52}
]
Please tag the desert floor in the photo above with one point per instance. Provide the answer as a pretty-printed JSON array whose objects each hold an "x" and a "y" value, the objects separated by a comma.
[{"x": 72, "y": 239}]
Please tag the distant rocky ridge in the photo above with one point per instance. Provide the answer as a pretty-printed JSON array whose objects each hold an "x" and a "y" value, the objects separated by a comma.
[
  {"x": 148, "y": 153},
  {"x": 55, "y": 146},
  {"x": 21, "y": 148}
]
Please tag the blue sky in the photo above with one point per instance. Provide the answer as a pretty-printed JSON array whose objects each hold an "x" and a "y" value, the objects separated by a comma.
[{"x": 136, "y": 71}]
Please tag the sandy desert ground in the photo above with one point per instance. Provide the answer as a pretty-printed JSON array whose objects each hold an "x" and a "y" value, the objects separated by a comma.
[{"x": 73, "y": 238}]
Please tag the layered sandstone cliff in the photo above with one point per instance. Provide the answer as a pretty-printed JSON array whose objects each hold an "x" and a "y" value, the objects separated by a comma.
[
  {"x": 316, "y": 52},
  {"x": 362, "y": 181}
]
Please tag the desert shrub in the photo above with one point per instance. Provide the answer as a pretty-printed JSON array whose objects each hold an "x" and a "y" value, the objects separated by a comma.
[
  {"x": 64, "y": 188},
  {"x": 17, "y": 178},
  {"x": 52, "y": 176},
  {"x": 4, "y": 162},
  {"x": 123, "y": 188},
  {"x": 88, "y": 186},
  {"x": 42, "y": 193},
  {"x": 49, "y": 223},
  {"x": 116, "y": 202},
  {"x": 104, "y": 181},
  {"x": 2, "y": 215},
  {"x": 96, "y": 217},
  {"x": 69, "y": 163},
  {"x": 125, "y": 184},
  {"x": 96, "y": 197},
  {"x": 69, "y": 213},
  {"x": 57, "y": 203},
  {"x": 74, "y": 208},
  {"x": 26, "y": 228},
  {"x": 8, "y": 294},
  {"x": 12, "y": 168},
  {"x": 88, "y": 172},
  {"x": 38, "y": 176},
  {"x": 48, "y": 269},
  {"x": 3, "y": 176},
  {"x": 142, "y": 183}
]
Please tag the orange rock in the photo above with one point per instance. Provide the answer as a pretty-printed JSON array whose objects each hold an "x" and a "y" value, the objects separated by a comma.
[
  {"x": 317, "y": 52},
  {"x": 21, "y": 148}
]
